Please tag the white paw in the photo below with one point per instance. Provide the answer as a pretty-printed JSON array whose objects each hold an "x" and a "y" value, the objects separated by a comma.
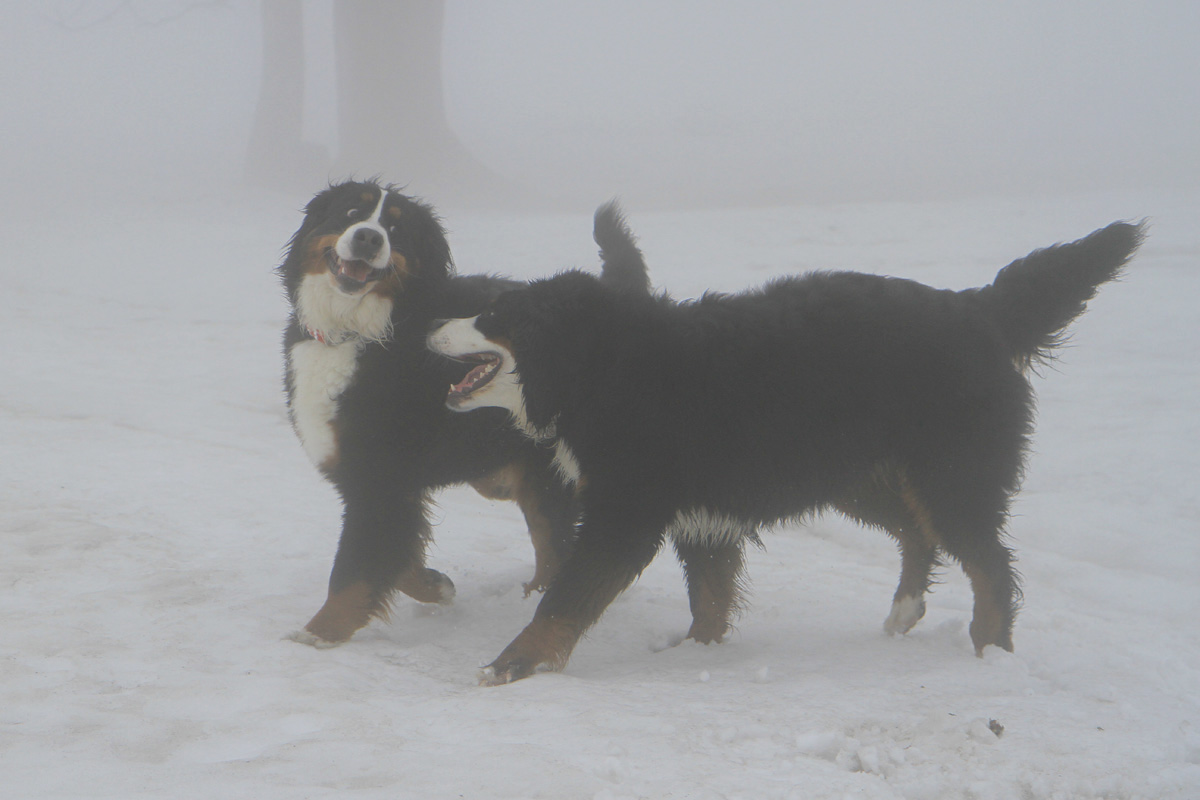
[
  {"x": 906, "y": 612},
  {"x": 446, "y": 592},
  {"x": 490, "y": 676},
  {"x": 310, "y": 639}
]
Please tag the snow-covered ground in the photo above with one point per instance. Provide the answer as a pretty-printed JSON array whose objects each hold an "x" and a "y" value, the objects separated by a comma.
[{"x": 161, "y": 532}]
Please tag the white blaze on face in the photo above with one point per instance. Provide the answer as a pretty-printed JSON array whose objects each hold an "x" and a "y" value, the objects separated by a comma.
[
  {"x": 374, "y": 222},
  {"x": 494, "y": 382}
]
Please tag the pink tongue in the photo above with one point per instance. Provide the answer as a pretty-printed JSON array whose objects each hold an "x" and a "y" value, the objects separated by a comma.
[
  {"x": 358, "y": 270},
  {"x": 464, "y": 386}
]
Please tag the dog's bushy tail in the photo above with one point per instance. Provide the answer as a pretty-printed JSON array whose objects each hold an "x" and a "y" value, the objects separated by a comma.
[
  {"x": 622, "y": 264},
  {"x": 1035, "y": 298}
]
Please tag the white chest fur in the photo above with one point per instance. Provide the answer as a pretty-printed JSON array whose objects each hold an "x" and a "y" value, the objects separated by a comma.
[
  {"x": 320, "y": 373},
  {"x": 320, "y": 306},
  {"x": 564, "y": 461}
]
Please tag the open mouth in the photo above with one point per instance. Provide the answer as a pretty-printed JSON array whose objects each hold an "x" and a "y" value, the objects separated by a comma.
[
  {"x": 485, "y": 367},
  {"x": 352, "y": 276}
]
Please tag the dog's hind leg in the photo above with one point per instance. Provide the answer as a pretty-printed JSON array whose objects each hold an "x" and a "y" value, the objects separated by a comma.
[
  {"x": 714, "y": 582},
  {"x": 988, "y": 564},
  {"x": 917, "y": 559},
  {"x": 886, "y": 501},
  {"x": 968, "y": 525},
  {"x": 550, "y": 510}
]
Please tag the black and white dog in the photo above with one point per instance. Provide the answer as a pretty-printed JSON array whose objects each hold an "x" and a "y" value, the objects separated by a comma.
[
  {"x": 902, "y": 406},
  {"x": 368, "y": 273}
]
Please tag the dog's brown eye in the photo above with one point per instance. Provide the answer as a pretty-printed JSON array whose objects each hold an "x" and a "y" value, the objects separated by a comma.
[{"x": 351, "y": 213}]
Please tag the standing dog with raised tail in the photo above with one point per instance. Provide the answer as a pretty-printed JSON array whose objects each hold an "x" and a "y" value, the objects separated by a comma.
[{"x": 904, "y": 407}]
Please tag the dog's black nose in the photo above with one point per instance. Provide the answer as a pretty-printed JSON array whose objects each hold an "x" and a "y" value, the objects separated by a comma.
[{"x": 367, "y": 242}]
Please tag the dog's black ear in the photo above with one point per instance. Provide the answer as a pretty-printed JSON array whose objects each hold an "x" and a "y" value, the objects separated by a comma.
[
  {"x": 318, "y": 208},
  {"x": 316, "y": 211},
  {"x": 423, "y": 228}
]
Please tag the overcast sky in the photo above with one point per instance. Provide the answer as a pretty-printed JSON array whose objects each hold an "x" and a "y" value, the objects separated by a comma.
[{"x": 661, "y": 101}]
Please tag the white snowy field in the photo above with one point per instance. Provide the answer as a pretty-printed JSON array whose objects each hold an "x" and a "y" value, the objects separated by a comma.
[{"x": 161, "y": 532}]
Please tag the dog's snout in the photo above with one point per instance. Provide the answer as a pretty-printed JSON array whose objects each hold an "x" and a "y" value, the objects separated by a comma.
[
  {"x": 435, "y": 339},
  {"x": 367, "y": 241}
]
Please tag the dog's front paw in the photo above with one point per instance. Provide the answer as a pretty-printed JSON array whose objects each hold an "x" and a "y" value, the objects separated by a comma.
[
  {"x": 546, "y": 643},
  {"x": 500, "y": 672},
  {"x": 311, "y": 639}
]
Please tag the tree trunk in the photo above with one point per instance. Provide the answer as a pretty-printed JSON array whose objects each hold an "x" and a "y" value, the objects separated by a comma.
[
  {"x": 391, "y": 108},
  {"x": 278, "y": 157}
]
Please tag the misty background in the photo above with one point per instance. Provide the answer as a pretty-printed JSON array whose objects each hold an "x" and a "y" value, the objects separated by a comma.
[
  {"x": 666, "y": 103},
  {"x": 161, "y": 529}
]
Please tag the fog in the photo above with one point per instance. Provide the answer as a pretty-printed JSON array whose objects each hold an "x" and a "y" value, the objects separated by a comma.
[
  {"x": 161, "y": 528},
  {"x": 668, "y": 103}
]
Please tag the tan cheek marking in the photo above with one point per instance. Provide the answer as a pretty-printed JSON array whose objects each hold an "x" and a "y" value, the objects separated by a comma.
[
  {"x": 400, "y": 263},
  {"x": 393, "y": 283},
  {"x": 315, "y": 262}
]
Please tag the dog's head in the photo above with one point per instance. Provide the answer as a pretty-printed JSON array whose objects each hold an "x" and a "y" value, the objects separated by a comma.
[
  {"x": 534, "y": 349},
  {"x": 529, "y": 348},
  {"x": 359, "y": 240}
]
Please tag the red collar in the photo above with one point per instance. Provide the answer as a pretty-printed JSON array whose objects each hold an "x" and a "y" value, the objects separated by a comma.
[
  {"x": 316, "y": 334},
  {"x": 328, "y": 339}
]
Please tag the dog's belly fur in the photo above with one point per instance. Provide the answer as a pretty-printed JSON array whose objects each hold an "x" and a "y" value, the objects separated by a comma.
[
  {"x": 320, "y": 373},
  {"x": 711, "y": 528}
]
